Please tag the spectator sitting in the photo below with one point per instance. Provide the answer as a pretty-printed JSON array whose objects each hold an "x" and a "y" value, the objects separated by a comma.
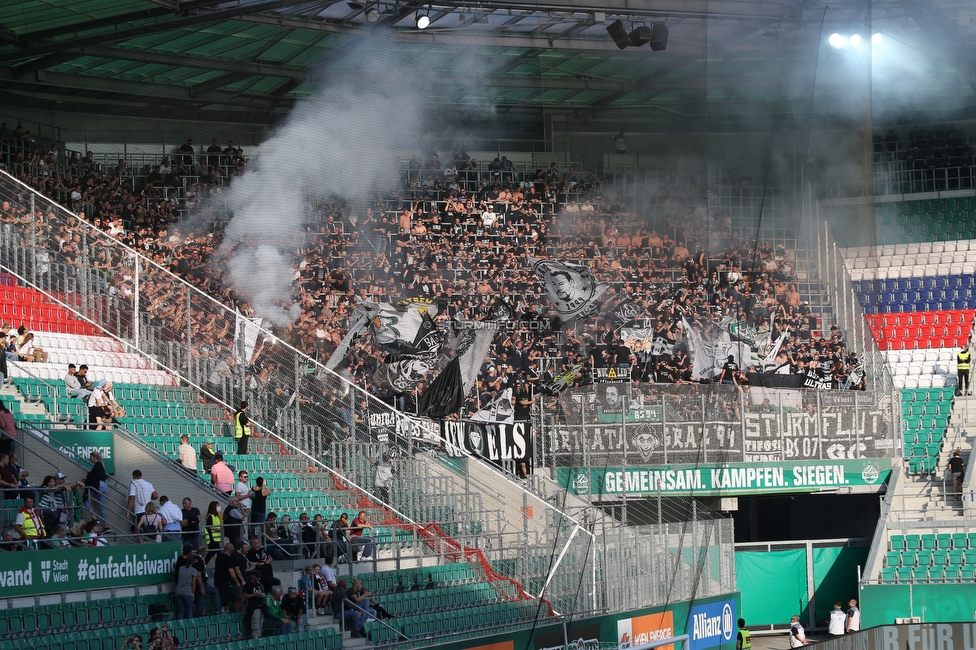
[
  {"x": 28, "y": 351},
  {"x": 276, "y": 619},
  {"x": 293, "y": 605},
  {"x": 74, "y": 387},
  {"x": 343, "y": 610}
]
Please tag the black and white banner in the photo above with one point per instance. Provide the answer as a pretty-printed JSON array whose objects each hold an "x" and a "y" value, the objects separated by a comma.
[
  {"x": 506, "y": 445},
  {"x": 572, "y": 289}
]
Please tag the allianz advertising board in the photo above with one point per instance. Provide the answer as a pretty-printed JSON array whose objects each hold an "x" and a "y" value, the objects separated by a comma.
[{"x": 712, "y": 625}]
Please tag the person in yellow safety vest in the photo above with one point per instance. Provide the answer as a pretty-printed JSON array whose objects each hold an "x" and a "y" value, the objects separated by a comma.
[
  {"x": 242, "y": 428},
  {"x": 29, "y": 524},
  {"x": 962, "y": 371},
  {"x": 743, "y": 641},
  {"x": 212, "y": 530}
]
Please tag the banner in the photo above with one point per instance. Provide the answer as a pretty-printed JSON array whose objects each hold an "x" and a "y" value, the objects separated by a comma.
[
  {"x": 79, "y": 443},
  {"x": 471, "y": 343},
  {"x": 494, "y": 441},
  {"x": 712, "y": 625},
  {"x": 572, "y": 289},
  {"x": 640, "y": 630},
  {"x": 726, "y": 480},
  {"x": 719, "y": 424},
  {"x": 79, "y": 569}
]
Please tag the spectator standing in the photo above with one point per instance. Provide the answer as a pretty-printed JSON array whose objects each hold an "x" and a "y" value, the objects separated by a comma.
[
  {"x": 853, "y": 617},
  {"x": 963, "y": 359},
  {"x": 798, "y": 637},
  {"x": 141, "y": 492},
  {"x": 261, "y": 561},
  {"x": 957, "y": 468},
  {"x": 228, "y": 579},
  {"x": 837, "y": 620},
  {"x": 207, "y": 456},
  {"x": 221, "y": 476},
  {"x": 242, "y": 428},
  {"x": 234, "y": 521},
  {"x": 188, "y": 584},
  {"x": 190, "y": 522},
  {"x": 96, "y": 484},
  {"x": 29, "y": 524},
  {"x": 188, "y": 455},
  {"x": 8, "y": 430},
  {"x": 213, "y": 531},
  {"x": 243, "y": 493},
  {"x": 172, "y": 519},
  {"x": 98, "y": 408},
  {"x": 150, "y": 524},
  {"x": 254, "y": 599},
  {"x": 8, "y": 480},
  {"x": 199, "y": 563},
  {"x": 384, "y": 476},
  {"x": 259, "y": 505}
]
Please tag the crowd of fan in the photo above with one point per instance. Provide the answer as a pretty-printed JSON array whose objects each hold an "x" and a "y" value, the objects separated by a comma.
[
  {"x": 457, "y": 235},
  {"x": 929, "y": 150}
]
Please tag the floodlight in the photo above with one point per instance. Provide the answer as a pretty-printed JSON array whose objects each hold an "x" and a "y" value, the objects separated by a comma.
[
  {"x": 837, "y": 40},
  {"x": 423, "y": 21},
  {"x": 372, "y": 15},
  {"x": 855, "y": 40},
  {"x": 876, "y": 39}
]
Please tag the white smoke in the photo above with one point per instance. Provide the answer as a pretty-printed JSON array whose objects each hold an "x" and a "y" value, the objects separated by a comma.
[{"x": 339, "y": 143}]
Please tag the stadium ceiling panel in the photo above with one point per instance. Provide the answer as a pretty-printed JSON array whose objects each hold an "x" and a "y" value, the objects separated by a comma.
[{"x": 250, "y": 60}]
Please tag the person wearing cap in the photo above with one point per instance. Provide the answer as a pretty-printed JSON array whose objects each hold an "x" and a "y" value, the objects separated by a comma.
[
  {"x": 293, "y": 605},
  {"x": 221, "y": 476},
  {"x": 207, "y": 456},
  {"x": 242, "y": 428}
]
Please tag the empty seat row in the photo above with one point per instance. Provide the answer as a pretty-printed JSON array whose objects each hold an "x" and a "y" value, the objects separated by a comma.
[
  {"x": 919, "y": 270},
  {"x": 933, "y": 541},
  {"x": 904, "y": 575},
  {"x": 442, "y": 574},
  {"x": 956, "y": 557}
]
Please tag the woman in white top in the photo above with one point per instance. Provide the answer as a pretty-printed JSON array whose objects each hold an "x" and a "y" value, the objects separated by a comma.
[
  {"x": 98, "y": 407},
  {"x": 29, "y": 351}
]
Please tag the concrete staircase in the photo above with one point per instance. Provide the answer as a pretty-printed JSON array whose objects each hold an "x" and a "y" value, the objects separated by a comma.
[{"x": 931, "y": 496}]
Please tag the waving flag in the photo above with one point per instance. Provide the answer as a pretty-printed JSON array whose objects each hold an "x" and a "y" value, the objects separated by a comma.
[{"x": 572, "y": 289}]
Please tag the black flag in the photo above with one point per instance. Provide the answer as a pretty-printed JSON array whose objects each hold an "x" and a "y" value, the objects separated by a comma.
[{"x": 445, "y": 396}]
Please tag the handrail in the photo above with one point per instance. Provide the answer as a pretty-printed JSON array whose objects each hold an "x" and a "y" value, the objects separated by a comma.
[
  {"x": 53, "y": 392},
  {"x": 357, "y": 607}
]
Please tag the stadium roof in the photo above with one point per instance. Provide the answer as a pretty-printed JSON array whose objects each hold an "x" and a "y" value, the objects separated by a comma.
[{"x": 250, "y": 60}]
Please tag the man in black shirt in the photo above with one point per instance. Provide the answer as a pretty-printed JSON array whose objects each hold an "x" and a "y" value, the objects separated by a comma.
[
  {"x": 339, "y": 596},
  {"x": 260, "y": 561},
  {"x": 254, "y": 598},
  {"x": 198, "y": 561},
  {"x": 228, "y": 578},
  {"x": 729, "y": 370},
  {"x": 190, "y": 523},
  {"x": 956, "y": 467}
]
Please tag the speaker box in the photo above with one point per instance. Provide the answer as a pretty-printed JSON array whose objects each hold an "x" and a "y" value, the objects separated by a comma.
[
  {"x": 659, "y": 36},
  {"x": 640, "y": 36},
  {"x": 618, "y": 33}
]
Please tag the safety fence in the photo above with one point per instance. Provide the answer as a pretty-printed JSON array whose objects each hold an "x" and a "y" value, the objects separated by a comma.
[
  {"x": 634, "y": 425},
  {"x": 230, "y": 357}
]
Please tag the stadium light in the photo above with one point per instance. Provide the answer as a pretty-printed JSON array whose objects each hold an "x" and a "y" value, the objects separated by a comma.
[
  {"x": 837, "y": 40},
  {"x": 423, "y": 21},
  {"x": 856, "y": 40},
  {"x": 876, "y": 39},
  {"x": 372, "y": 15}
]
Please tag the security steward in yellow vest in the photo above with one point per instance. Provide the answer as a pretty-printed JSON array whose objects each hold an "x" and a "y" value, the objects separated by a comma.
[
  {"x": 213, "y": 534},
  {"x": 242, "y": 428},
  {"x": 962, "y": 371},
  {"x": 29, "y": 524},
  {"x": 743, "y": 641}
]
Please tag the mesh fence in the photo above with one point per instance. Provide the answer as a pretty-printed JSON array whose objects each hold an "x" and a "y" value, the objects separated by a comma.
[
  {"x": 714, "y": 424},
  {"x": 572, "y": 561}
]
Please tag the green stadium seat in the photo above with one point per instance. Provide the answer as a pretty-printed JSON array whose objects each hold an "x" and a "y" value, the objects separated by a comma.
[
  {"x": 959, "y": 541},
  {"x": 943, "y": 541},
  {"x": 913, "y": 542},
  {"x": 920, "y": 574},
  {"x": 928, "y": 541},
  {"x": 897, "y": 542},
  {"x": 940, "y": 558},
  {"x": 908, "y": 558},
  {"x": 967, "y": 573},
  {"x": 951, "y": 573}
]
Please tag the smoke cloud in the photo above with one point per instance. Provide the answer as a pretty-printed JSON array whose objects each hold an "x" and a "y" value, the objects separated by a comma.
[{"x": 339, "y": 143}]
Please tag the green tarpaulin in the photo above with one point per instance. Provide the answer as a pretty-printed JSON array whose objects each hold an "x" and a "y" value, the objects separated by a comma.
[
  {"x": 773, "y": 585},
  {"x": 835, "y": 576}
]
